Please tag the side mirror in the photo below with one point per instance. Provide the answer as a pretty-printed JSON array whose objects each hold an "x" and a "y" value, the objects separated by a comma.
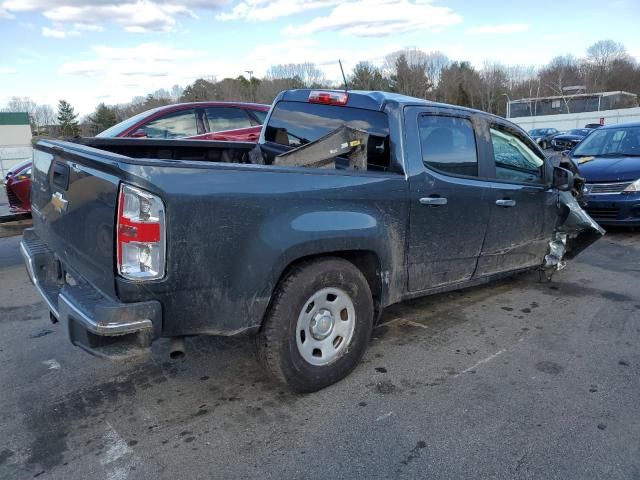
[
  {"x": 139, "y": 133},
  {"x": 562, "y": 179}
]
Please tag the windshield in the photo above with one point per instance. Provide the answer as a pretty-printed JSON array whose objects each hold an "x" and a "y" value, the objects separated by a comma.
[
  {"x": 611, "y": 141},
  {"x": 581, "y": 132},
  {"x": 537, "y": 132},
  {"x": 118, "y": 128}
]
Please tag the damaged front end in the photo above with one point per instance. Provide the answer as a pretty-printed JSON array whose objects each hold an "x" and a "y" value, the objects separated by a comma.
[{"x": 575, "y": 230}]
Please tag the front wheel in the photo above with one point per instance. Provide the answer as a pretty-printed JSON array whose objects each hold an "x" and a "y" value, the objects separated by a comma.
[{"x": 318, "y": 325}]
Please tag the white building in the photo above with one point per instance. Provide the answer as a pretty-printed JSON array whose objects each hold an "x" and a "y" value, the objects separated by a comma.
[
  {"x": 574, "y": 111},
  {"x": 15, "y": 140}
]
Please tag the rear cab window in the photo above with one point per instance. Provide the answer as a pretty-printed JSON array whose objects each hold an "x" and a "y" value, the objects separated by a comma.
[{"x": 293, "y": 124}]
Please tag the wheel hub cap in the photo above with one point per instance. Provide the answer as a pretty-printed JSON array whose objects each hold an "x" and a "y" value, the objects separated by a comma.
[
  {"x": 321, "y": 324},
  {"x": 325, "y": 326}
]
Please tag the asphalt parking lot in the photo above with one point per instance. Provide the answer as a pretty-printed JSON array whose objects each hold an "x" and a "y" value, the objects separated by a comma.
[{"x": 519, "y": 379}]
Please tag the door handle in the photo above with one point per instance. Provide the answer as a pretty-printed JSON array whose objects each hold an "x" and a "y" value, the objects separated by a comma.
[
  {"x": 506, "y": 202},
  {"x": 433, "y": 201}
]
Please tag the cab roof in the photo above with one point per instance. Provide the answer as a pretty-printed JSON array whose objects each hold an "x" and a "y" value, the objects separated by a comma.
[
  {"x": 374, "y": 100},
  {"x": 370, "y": 100}
]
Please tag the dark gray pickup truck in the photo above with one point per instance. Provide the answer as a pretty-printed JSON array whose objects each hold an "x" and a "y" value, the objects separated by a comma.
[{"x": 350, "y": 202}]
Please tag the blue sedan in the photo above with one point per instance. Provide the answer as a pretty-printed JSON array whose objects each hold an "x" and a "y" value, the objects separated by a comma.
[{"x": 609, "y": 160}]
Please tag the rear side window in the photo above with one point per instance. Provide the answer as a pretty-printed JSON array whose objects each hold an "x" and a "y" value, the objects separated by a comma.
[
  {"x": 448, "y": 145},
  {"x": 174, "y": 125},
  {"x": 297, "y": 123},
  {"x": 260, "y": 115},
  {"x": 226, "y": 118}
]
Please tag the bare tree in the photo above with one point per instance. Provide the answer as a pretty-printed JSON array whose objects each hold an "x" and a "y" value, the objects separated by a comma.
[
  {"x": 306, "y": 73},
  {"x": 434, "y": 63},
  {"x": 601, "y": 56},
  {"x": 44, "y": 116},
  {"x": 494, "y": 85},
  {"x": 561, "y": 72}
]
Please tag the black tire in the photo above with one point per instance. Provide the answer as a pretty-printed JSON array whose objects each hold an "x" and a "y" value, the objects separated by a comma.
[
  {"x": 544, "y": 145},
  {"x": 276, "y": 342}
]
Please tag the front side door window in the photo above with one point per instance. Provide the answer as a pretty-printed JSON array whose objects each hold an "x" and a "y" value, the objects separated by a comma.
[
  {"x": 515, "y": 161},
  {"x": 173, "y": 125}
]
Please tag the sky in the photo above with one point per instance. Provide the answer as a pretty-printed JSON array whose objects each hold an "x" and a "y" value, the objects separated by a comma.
[{"x": 92, "y": 51}]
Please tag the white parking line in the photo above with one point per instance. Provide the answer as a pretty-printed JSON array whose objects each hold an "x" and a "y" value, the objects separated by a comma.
[
  {"x": 382, "y": 417},
  {"x": 416, "y": 324},
  {"x": 116, "y": 446},
  {"x": 52, "y": 364},
  {"x": 484, "y": 360},
  {"x": 402, "y": 320}
]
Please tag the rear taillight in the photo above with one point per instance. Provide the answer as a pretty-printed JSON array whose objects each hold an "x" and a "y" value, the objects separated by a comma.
[
  {"x": 329, "y": 98},
  {"x": 140, "y": 234}
]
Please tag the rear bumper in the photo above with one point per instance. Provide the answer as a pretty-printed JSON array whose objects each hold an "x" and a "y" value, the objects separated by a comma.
[
  {"x": 614, "y": 209},
  {"x": 94, "y": 322}
]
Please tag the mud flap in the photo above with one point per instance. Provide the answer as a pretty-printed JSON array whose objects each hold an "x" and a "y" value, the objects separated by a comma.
[{"x": 576, "y": 230}]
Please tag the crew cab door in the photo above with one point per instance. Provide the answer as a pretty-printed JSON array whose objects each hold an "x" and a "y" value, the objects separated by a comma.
[
  {"x": 450, "y": 199},
  {"x": 523, "y": 205}
]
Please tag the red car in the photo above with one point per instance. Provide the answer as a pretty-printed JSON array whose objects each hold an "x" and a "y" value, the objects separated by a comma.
[
  {"x": 18, "y": 184},
  {"x": 200, "y": 121},
  {"x": 227, "y": 121}
]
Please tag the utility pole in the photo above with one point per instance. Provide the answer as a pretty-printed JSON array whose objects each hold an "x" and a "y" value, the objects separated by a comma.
[
  {"x": 250, "y": 73},
  {"x": 508, "y": 111}
]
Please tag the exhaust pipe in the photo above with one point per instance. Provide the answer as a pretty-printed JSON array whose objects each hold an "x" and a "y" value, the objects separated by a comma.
[{"x": 176, "y": 348}]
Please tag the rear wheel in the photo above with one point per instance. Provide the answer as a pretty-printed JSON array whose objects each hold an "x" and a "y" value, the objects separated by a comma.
[{"x": 318, "y": 326}]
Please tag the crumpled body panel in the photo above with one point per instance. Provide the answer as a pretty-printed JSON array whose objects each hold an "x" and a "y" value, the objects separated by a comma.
[{"x": 576, "y": 230}]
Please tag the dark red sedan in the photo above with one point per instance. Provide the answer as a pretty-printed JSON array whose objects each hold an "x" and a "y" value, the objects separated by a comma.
[
  {"x": 200, "y": 121},
  {"x": 18, "y": 185},
  {"x": 226, "y": 121}
]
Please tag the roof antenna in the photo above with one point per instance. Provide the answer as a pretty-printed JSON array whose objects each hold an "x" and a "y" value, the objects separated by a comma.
[{"x": 346, "y": 85}]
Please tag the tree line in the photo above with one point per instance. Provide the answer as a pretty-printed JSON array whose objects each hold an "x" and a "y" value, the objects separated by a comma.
[{"x": 607, "y": 66}]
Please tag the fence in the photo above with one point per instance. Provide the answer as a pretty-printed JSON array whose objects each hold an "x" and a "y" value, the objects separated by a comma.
[
  {"x": 568, "y": 121},
  {"x": 11, "y": 155}
]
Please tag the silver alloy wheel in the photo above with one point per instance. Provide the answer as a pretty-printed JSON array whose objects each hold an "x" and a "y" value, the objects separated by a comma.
[{"x": 325, "y": 326}]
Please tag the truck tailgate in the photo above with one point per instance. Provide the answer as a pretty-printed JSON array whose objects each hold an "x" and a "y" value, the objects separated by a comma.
[{"x": 74, "y": 195}]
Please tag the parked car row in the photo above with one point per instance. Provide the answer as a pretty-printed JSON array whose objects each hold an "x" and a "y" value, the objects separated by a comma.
[
  {"x": 543, "y": 136},
  {"x": 227, "y": 121},
  {"x": 552, "y": 138},
  {"x": 568, "y": 140},
  {"x": 608, "y": 157}
]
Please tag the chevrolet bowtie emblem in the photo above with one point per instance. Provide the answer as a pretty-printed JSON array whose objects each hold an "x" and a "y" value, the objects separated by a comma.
[{"x": 59, "y": 202}]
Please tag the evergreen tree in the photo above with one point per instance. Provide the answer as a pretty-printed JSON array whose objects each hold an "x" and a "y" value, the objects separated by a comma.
[
  {"x": 103, "y": 118},
  {"x": 67, "y": 119},
  {"x": 366, "y": 76}
]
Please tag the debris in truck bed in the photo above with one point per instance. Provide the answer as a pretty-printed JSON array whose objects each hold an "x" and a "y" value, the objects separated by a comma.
[{"x": 344, "y": 141}]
